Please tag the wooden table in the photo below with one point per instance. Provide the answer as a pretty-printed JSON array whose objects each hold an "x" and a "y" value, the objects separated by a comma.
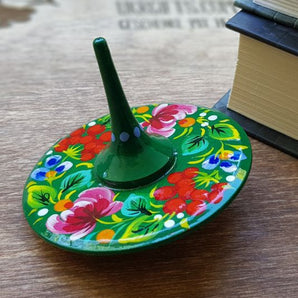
[{"x": 50, "y": 86}]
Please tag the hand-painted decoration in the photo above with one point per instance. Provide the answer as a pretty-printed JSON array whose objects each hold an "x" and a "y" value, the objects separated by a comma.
[{"x": 123, "y": 183}]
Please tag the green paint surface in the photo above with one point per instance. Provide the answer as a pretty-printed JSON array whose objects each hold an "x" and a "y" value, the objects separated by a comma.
[{"x": 67, "y": 205}]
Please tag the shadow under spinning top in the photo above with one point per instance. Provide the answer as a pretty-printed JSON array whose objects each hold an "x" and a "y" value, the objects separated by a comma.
[{"x": 136, "y": 177}]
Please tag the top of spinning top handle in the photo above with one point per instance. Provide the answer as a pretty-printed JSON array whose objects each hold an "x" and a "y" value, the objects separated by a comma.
[{"x": 133, "y": 158}]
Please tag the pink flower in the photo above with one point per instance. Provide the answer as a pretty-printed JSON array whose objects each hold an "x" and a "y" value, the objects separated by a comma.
[
  {"x": 81, "y": 218},
  {"x": 164, "y": 118}
]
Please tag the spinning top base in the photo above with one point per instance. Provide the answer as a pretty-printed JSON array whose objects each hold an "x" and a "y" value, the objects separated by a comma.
[
  {"x": 65, "y": 204},
  {"x": 143, "y": 161}
]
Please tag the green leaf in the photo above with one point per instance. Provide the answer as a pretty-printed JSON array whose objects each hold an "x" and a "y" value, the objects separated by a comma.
[
  {"x": 205, "y": 179},
  {"x": 40, "y": 196},
  {"x": 193, "y": 145},
  {"x": 224, "y": 131},
  {"x": 141, "y": 230},
  {"x": 135, "y": 205},
  {"x": 184, "y": 223},
  {"x": 76, "y": 180},
  {"x": 238, "y": 147}
]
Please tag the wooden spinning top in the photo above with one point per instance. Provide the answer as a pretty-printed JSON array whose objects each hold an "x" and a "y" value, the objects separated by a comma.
[{"x": 137, "y": 177}]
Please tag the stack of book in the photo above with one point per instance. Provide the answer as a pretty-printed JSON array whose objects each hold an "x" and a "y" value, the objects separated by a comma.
[{"x": 264, "y": 97}]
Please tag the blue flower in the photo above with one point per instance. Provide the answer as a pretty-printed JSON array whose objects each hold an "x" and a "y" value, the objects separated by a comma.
[
  {"x": 51, "y": 168},
  {"x": 39, "y": 174},
  {"x": 228, "y": 165},
  {"x": 211, "y": 163},
  {"x": 237, "y": 156},
  {"x": 52, "y": 161}
]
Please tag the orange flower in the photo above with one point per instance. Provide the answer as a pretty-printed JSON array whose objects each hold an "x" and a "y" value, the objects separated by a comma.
[
  {"x": 142, "y": 110},
  {"x": 105, "y": 236},
  {"x": 63, "y": 205},
  {"x": 187, "y": 122}
]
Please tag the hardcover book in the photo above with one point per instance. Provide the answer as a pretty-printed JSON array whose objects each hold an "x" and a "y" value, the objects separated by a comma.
[
  {"x": 252, "y": 7},
  {"x": 288, "y": 7},
  {"x": 265, "y": 86}
]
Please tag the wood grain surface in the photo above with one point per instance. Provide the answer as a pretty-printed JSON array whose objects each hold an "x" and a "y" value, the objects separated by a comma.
[{"x": 50, "y": 85}]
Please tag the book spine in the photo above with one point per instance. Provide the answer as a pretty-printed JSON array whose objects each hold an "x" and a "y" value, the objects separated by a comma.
[{"x": 250, "y": 6}]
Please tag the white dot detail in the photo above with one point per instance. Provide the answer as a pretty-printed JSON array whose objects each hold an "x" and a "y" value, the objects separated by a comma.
[
  {"x": 49, "y": 152},
  {"x": 204, "y": 124},
  {"x": 212, "y": 117},
  {"x": 180, "y": 215},
  {"x": 158, "y": 217},
  {"x": 203, "y": 114},
  {"x": 230, "y": 178},
  {"x": 169, "y": 223},
  {"x": 42, "y": 212},
  {"x": 92, "y": 123}
]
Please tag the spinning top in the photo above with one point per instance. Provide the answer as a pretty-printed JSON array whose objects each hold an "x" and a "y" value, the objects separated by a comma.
[{"x": 136, "y": 177}]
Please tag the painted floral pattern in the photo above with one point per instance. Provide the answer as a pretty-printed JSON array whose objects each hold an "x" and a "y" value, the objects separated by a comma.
[
  {"x": 80, "y": 219},
  {"x": 164, "y": 118},
  {"x": 51, "y": 168},
  {"x": 63, "y": 200},
  {"x": 84, "y": 144}
]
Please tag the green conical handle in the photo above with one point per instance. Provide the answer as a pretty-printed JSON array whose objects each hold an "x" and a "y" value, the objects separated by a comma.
[
  {"x": 133, "y": 158},
  {"x": 121, "y": 115}
]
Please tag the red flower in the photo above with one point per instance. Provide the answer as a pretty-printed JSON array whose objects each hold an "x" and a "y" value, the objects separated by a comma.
[
  {"x": 85, "y": 144},
  {"x": 81, "y": 218},
  {"x": 164, "y": 118}
]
